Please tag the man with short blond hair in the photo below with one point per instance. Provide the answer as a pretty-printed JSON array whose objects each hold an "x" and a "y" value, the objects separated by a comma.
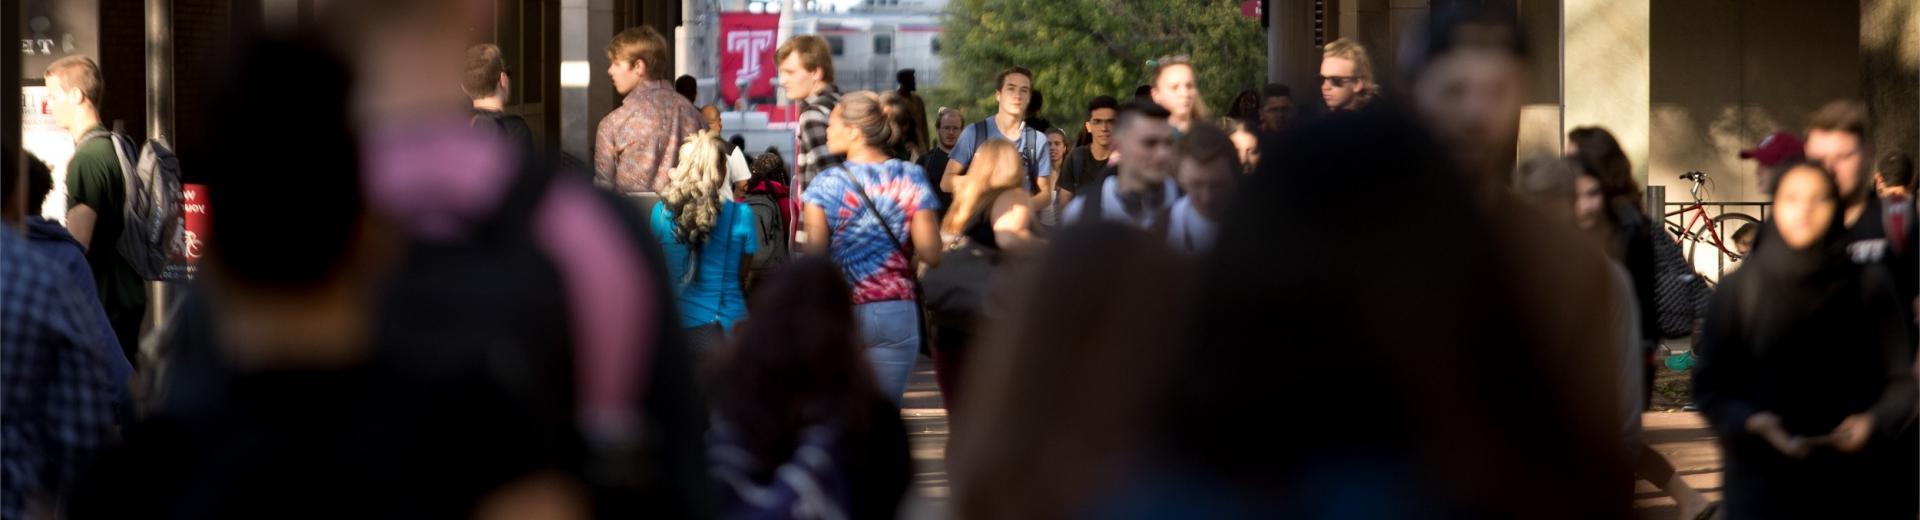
[
  {"x": 1346, "y": 76},
  {"x": 488, "y": 82},
  {"x": 97, "y": 194},
  {"x": 638, "y": 144}
]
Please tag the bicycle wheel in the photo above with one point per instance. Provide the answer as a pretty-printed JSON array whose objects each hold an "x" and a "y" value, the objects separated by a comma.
[{"x": 1708, "y": 257}]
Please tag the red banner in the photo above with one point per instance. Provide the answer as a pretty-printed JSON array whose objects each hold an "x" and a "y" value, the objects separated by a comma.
[
  {"x": 193, "y": 203},
  {"x": 746, "y": 53}
]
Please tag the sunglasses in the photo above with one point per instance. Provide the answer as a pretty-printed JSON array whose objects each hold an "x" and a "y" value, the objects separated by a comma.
[{"x": 1339, "y": 81}]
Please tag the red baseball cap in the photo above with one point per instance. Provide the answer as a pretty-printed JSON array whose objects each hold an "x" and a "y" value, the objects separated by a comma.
[{"x": 1775, "y": 149}]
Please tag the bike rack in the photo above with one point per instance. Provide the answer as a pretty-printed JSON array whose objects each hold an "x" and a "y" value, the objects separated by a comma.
[{"x": 1657, "y": 198}]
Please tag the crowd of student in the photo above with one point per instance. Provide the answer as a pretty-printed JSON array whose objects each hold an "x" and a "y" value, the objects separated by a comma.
[{"x": 1160, "y": 314}]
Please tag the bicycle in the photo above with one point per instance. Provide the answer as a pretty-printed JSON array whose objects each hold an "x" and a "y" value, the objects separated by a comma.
[{"x": 1695, "y": 228}]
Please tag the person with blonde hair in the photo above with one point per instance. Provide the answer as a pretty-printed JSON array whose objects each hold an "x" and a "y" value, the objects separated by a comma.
[
  {"x": 986, "y": 207},
  {"x": 1346, "y": 76},
  {"x": 990, "y": 212},
  {"x": 1175, "y": 89},
  {"x": 873, "y": 214},
  {"x": 708, "y": 243}
]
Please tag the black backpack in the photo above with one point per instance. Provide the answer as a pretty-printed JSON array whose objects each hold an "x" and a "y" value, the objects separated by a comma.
[{"x": 772, "y": 234}]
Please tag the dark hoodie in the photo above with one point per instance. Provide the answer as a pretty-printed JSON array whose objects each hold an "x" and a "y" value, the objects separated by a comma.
[{"x": 1812, "y": 337}]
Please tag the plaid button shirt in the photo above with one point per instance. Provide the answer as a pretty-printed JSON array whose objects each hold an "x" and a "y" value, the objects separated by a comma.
[
  {"x": 55, "y": 391},
  {"x": 812, "y": 156},
  {"x": 639, "y": 143}
]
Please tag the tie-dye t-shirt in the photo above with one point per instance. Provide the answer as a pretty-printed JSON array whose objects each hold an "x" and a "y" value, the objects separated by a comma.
[{"x": 875, "y": 265}]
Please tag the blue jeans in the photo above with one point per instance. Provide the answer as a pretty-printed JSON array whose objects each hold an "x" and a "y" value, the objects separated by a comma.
[{"x": 891, "y": 331}]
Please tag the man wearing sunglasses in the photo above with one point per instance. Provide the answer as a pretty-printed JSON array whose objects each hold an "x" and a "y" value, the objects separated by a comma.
[{"x": 1346, "y": 76}]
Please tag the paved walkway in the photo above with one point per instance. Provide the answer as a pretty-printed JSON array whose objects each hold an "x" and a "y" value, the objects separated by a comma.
[
  {"x": 1683, "y": 437},
  {"x": 926, "y": 418}
]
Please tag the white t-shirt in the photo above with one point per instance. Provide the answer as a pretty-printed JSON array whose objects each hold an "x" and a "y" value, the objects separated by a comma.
[{"x": 736, "y": 172}]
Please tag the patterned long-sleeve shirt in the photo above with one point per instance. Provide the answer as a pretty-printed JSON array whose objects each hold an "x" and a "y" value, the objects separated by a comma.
[
  {"x": 55, "y": 390},
  {"x": 639, "y": 143}
]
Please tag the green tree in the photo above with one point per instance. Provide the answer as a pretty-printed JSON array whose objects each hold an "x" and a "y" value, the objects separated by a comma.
[{"x": 1081, "y": 49}]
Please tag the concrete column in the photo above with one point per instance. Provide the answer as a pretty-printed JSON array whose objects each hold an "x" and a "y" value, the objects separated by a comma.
[
  {"x": 1606, "y": 71},
  {"x": 1291, "y": 58},
  {"x": 586, "y": 94},
  {"x": 1890, "y": 72},
  {"x": 1541, "y": 131}
]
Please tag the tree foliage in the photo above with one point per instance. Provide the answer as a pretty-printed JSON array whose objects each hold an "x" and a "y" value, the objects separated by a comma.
[{"x": 1081, "y": 49}]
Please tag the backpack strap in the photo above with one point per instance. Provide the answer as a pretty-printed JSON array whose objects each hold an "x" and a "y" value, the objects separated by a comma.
[
  {"x": 120, "y": 144},
  {"x": 980, "y": 134},
  {"x": 875, "y": 211}
]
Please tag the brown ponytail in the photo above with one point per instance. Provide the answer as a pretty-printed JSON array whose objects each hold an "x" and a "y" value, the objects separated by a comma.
[{"x": 880, "y": 117}]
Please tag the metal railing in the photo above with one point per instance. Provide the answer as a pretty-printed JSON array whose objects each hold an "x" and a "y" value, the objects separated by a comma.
[{"x": 1683, "y": 223}]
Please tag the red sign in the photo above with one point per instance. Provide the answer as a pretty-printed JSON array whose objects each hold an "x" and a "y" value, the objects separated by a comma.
[
  {"x": 746, "y": 53},
  {"x": 193, "y": 203},
  {"x": 1251, "y": 9}
]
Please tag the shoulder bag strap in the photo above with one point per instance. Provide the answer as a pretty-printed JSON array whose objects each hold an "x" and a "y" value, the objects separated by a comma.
[{"x": 875, "y": 211}]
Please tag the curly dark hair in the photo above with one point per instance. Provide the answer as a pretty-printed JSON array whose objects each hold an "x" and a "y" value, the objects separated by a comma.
[{"x": 768, "y": 166}]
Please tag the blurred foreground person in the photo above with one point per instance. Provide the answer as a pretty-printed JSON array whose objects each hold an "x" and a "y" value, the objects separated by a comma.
[
  {"x": 1805, "y": 371},
  {"x": 1611, "y": 209},
  {"x": 62, "y": 379},
  {"x": 1477, "y": 385},
  {"x": 49, "y": 238},
  {"x": 1550, "y": 183},
  {"x": 989, "y": 221},
  {"x": 1209, "y": 170},
  {"x": 526, "y": 276},
  {"x": 875, "y": 215},
  {"x": 708, "y": 244},
  {"x": 1142, "y": 186},
  {"x": 1058, "y": 417},
  {"x": 800, "y": 430},
  {"x": 278, "y": 400}
]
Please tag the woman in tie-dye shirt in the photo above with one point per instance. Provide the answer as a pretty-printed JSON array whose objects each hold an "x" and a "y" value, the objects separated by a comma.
[{"x": 872, "y": 244}]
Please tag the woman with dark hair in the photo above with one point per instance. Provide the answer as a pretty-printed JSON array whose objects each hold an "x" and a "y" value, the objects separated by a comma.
[
  {"x": 1806, "y": 371},
  {"x": 874, "y": 215},
  {"x": 1598, "y": 153},
  {"x": 1608, "y": 205},
  {"x": 797, "y": 420},
  {"x": 1246, "y": 108},
  {"x": 1057, "y": 147}
]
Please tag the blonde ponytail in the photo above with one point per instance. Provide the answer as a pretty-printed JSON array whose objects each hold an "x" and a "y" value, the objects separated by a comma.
[{"x": 693, "y": 196}]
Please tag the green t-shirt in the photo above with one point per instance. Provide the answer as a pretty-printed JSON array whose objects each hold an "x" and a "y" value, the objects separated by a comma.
[{"x": 94, "y": 180}]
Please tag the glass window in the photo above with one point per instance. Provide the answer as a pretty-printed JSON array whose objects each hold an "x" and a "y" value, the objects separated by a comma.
[
  {"x": 882, "y": 44},
  {"x": 838, "y": 44}
]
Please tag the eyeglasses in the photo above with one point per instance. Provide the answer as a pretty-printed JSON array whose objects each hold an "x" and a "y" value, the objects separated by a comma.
[
  {"x": 1100, "y": 122},
  {"x": 1339, "y": 81}
]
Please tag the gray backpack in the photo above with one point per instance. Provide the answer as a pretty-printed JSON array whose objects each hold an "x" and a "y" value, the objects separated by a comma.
[{"x": 155, "y": 225}]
